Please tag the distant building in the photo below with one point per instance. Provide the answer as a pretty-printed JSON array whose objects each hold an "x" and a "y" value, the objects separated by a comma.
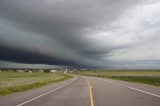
[
  {"x": 84, "y": 69},
  {"x": 53, "y": 71},
  {"x": 20, "y": 71},
  {"x": 65, "y": 71},
  {"x": 30, "y": 71}
]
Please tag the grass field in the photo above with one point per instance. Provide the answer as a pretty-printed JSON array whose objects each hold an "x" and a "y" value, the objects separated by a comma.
[
  {"x": 11, "y": 82},
  {"x": 151, "y": 77}
]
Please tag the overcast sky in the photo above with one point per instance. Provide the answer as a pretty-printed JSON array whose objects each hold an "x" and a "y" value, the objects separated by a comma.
[{"x": 80, "y": 33}]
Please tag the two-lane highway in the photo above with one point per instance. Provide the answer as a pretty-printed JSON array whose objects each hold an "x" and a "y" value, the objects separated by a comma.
[
  {"x": 87, "y": 91},
  {"x": 111, "y": 93}
]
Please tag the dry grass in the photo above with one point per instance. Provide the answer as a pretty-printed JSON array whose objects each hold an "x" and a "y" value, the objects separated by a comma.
[{"x": 11, "y": 82}]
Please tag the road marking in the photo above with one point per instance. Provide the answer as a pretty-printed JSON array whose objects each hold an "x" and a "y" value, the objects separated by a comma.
[
  {"x": 90, "y": 92},
  {"x": 131, "y": 88},
  {"x": 45, "y": 94}
]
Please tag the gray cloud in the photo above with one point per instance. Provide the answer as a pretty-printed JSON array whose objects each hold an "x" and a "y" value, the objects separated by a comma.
[{"x": 71, "y": 32}]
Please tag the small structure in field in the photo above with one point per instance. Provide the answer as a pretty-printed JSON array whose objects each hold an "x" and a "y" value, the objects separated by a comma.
[
  {"x": 20, "y": 71},
  {"x": 30, "y": 71},
  {"x": 65, "y": 71},
  {"x": 53, "y": 71}
]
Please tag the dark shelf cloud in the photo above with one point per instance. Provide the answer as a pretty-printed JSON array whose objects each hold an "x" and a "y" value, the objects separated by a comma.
[{"x": 80, "y": 33}]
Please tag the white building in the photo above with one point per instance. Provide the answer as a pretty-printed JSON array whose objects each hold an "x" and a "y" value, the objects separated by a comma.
[
  {"x": 30, "y": 71},
  {"x": 20, "y": 71},
  {"x": 65, "y": 71},
  {"x": 53, "y": 71}
]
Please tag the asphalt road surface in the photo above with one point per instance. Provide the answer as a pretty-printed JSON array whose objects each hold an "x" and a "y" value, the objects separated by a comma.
[{"x": 87, "y": 91}]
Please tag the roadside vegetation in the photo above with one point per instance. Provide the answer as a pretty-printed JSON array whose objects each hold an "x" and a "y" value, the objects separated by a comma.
[
  {"x": 11, "y": 82},
  {"x": 151, "y": 77}
]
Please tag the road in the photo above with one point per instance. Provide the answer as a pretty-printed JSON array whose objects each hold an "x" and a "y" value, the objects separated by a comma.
[{"x": 87, "y": 91}]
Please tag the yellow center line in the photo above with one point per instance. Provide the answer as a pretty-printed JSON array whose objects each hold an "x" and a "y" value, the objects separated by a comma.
[{"x": 90, "y": 93}]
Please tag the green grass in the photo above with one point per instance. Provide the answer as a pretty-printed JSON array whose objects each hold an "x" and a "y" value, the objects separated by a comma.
[
  {"x": 151, "y": 77},
  {"x": 11, "y": 82}
]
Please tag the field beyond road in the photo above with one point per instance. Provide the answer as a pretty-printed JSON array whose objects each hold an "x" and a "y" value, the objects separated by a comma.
[
  {"x": 11, "y": 82},
  {"x": 151, "y": 77}
]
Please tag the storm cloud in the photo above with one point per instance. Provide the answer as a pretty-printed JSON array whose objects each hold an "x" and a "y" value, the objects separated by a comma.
[{"x": 81, "y": 33}]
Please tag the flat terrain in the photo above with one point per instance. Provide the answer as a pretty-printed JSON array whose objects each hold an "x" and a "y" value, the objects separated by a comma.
[
  {"x": 11, "y": 82},
  {"x": 151, "y": 77},
  {"x": 87, "y": 91}
]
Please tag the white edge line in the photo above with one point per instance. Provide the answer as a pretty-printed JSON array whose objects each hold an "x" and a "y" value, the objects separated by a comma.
[
  {"x": 132, "y": 88},
  {"x": 45, "y": 94}
]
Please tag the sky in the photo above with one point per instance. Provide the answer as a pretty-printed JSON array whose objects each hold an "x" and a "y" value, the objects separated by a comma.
[{"x": 80, "y": 33}]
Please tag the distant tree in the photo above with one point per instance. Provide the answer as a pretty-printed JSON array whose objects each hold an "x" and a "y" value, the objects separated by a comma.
[{"x": 47, "y": 71}]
